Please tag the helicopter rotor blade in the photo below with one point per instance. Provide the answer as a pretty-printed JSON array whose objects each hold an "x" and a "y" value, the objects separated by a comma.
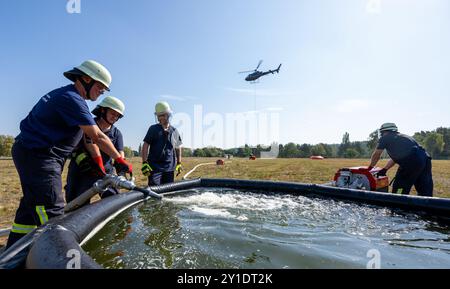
[
  {"x": 259, "y": 64},
  {"x": 247, "y": 71}
]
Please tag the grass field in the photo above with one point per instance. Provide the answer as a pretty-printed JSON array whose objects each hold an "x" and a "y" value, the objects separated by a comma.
[{"x": 295, "y": 170}]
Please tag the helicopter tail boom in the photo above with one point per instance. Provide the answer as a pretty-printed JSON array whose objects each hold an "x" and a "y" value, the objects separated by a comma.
[{"x": 278, "y": 69}]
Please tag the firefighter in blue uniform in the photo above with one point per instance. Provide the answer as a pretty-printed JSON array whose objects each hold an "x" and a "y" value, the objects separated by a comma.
[
  {"x": 161, "y": 152},
  {"x": 47, "y": 138},
  {"x": 414, "y": 162},
  {"x": 88, "y": 164}
]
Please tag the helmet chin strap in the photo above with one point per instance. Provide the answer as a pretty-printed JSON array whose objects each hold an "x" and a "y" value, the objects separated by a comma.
[
  {"x": 169, "y": 116},
  {"x": 87, "y": 87},
  {"x": 103, "y": 116}
]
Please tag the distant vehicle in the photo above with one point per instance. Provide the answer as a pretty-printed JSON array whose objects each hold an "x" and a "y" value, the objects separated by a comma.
[{"x": 255, "y": 75}]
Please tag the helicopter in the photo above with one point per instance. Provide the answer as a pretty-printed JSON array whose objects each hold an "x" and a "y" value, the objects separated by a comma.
[{"x": 257, "y": 74}]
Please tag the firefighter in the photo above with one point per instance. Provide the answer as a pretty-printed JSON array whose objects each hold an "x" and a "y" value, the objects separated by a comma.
[
  {"x": 47, "y": 138},
  {"x": 414, "y": 162},
  {"x": 89, "y": 165},
  {"x": 161, "y": 152}
]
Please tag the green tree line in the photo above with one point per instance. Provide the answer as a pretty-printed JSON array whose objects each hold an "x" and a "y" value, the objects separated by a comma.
[{"x": 436, "y": 142}]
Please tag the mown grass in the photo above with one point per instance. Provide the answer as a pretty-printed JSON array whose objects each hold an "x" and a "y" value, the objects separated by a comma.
[{"x": 295, "y": 170}]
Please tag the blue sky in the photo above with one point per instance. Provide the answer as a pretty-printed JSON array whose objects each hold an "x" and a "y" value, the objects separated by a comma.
[{"x": 348, "y": 65}]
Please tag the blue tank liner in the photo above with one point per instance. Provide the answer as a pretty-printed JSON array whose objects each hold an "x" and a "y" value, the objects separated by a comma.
[{"x": 48, "y": 246}]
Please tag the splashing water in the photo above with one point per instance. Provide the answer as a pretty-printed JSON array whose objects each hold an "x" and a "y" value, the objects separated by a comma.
[{"x": 223, "y": 228}]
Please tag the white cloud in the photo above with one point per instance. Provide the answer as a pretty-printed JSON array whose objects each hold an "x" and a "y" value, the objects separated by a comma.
[{"x": 176, "y": 97}]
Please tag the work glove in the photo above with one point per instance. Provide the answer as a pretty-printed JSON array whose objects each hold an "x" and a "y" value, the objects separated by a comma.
[
  {"x": 83, "y": 162},
  {"x": 88, "y": 165},
  {"x": 382, "y": 173},
  {"x": 146, "y": 169},
  {"x": 98, "y": 169},
  {"x": 122, "y": 166},
  {"x": 178, "y": 169}
]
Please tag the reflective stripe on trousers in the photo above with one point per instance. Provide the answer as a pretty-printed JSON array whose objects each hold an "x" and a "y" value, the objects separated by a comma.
[
  {"x": 40, "y": 210},
  {"x": 22, "y": 229}
]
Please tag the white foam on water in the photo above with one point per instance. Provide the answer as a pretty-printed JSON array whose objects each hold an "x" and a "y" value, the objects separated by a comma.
[
  {"x": 242, "y": 218},
  {"x": 221, "y": 203},
  {"x": 218, "y": 213},
  {"x": 212, "y": 212},
  {"x": 237, "y": 201}
]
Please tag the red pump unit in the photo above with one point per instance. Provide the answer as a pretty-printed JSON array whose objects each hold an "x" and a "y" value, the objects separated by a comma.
[{"x": 360, "y": 178}]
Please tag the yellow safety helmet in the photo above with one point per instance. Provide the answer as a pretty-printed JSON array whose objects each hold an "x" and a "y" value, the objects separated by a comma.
[{"x": 162, "y": 108}]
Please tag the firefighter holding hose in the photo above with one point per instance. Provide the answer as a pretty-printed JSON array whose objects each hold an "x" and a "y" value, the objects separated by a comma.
[
  {"x": 88, "y": 164},
  {"x": 161, "y": 152},
  {"x": 47, "y": 137},
  {"x": 414, "y": 162}
]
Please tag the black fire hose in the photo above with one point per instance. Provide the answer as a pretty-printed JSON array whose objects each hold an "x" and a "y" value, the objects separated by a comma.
[{"x": 118, "y": 182}]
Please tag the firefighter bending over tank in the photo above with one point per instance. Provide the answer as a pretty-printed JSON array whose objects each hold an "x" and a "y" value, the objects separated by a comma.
[
  {"x": 47, "y": 138},
  {"x": 414, "y": 162}
]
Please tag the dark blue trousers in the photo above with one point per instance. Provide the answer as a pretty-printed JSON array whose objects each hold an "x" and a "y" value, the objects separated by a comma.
[
  {"x": 40, "y": 177},
  {"x": 79, "y": 182},
  {"x": 160, "y": 178},
  {"x": 415, "y": 171}
]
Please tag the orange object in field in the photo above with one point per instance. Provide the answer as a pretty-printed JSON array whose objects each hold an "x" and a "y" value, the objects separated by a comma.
[{"x": 317, "y": 157}]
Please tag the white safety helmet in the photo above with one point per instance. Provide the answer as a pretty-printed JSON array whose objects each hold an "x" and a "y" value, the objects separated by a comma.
[
  {"x": 94, "y": 70},
  {"x": 110, "y": 102},
  {"x": 389, "y": 126}
]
